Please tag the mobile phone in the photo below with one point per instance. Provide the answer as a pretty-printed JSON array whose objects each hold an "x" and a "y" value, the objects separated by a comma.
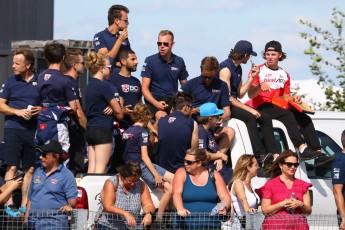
[{"x": 19, "y": 175}]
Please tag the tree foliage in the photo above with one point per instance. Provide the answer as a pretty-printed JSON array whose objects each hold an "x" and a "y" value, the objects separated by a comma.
[{"x": 326, "y": 50}]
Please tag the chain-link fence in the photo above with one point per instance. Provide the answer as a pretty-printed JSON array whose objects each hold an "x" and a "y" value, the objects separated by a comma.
[{"x": 84, "y": 219}]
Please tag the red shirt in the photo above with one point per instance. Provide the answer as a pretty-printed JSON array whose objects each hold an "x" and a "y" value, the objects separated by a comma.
[{"x": 278, "y": 80}]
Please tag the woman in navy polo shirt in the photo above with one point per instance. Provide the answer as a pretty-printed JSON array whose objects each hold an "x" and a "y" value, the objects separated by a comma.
[{"x": 101, "y": 106}]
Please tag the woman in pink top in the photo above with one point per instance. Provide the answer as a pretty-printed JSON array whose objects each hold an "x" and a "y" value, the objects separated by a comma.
[{"x": 284, "y": 198}]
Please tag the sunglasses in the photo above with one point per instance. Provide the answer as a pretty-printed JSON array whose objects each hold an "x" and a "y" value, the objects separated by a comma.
[
  {"x": 188, "y": 162},
  {"x": 44, "y": 155},
  {"x": 290, "y": 164},
  {"x": 109, "y": 67},
  {"x": 163, "y": 43}
]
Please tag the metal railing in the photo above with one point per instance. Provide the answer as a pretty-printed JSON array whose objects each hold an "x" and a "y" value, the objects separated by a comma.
[{"x": 84, "y": 219}]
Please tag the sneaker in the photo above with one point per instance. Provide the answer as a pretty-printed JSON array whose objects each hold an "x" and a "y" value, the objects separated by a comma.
[
  {"x": 309, "y": 154},
  {"x": 266, "y": 160},
  {"x": 12, "y": 210},
  {"x": 323, "y": 162},
  {"x": 22, "y": 209}
]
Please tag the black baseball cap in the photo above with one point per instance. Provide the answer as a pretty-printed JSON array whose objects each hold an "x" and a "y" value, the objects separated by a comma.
[
  {"x": 244, "y": 47},
  {"x": 273, "y": 46},
  {"x": 50, "y": 147}
]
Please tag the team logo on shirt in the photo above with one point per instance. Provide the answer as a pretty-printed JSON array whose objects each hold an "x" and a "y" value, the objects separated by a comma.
[
  {"x": 171, "y": 119},
  {"x": 34, "y": 83},
  {"x": 215, "y": 91},
  {"x": 38, "y": 180},
  {"x": 46, "y": 77},
  {"x": 130, "y": 88},
  {"x": 336, "y": 173},
  {"x": 174, "y": 69},
  {"x": 127, "y": 136},
  {"x": 211, "y": 144},
  {"x": 201, "y": 144},
  {"x": 125, "y": 88},
  {"x": 145, "y": 136},
  {"x": 53, "y": 181}
]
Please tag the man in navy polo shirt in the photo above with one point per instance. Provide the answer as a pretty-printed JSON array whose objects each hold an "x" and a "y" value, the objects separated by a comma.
[
  {"x": 73, "y": 67},
  {"x": 177, "y": 133},
  {"x": 58, "y": 98},
  {"x": 160, "y": 76},
  {"x": 110, "y": 41},
  {"x": 53, "y": 191},
  {"x": 19, "y": 102},
  {"x": 208, "y": 88}
]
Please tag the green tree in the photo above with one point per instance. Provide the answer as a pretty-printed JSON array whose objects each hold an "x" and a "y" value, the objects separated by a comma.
[{"x": 326, "y": 50}]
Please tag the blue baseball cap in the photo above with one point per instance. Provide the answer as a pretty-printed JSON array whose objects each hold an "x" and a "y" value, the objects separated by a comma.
[
  {"x": 210, "y": 109},
  {"x": 244, "y": 47}
]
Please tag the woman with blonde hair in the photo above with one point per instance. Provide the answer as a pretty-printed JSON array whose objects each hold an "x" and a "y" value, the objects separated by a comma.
[
  {"x": 243, "y": 197},
  {"x": 195, "y": 190},
  {"x": 101, "y": 107},
  {"x": 136, "y": 141}
]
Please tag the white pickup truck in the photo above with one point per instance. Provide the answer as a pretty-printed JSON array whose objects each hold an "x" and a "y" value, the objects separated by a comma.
[{"x": 329, "y": 126}]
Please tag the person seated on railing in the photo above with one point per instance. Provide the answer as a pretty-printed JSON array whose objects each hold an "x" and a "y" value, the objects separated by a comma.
[
  {"x": 196, "y": 190},
  {"x": 284, "y": 197},
  {"x": 243, "y": 197},
  {"x": 7, "y": 188},
  {"x": 123, "y": 196},
  {"x": 53, "y": 191}
]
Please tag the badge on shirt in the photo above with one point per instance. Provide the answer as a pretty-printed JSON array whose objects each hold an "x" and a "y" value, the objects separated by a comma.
[
  {"x": 46, "y": 77},
  {"x": 171, "y": 119},
  {"x": 38, "y": 180},
  {"x": 336, "y": 173},
  {"x": 54, "y": 181}
]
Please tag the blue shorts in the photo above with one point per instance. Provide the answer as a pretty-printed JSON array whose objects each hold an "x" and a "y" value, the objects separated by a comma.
[
  {"x": 19, "y": 146},
  {"x": 148, "y": 177}
]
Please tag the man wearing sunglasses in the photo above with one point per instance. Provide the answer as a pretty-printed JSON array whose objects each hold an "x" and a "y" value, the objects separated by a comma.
[
  {"x": 161, "y": 74},
  {"x": 73, "y": 67},
  {"x": 53, "y": 191},
  {"x": 208, "y": 88},
  {"x": 110, "y": 41}
]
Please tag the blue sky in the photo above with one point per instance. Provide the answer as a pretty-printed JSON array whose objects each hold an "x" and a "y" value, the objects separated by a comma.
[{"x": 203, "y": 28}]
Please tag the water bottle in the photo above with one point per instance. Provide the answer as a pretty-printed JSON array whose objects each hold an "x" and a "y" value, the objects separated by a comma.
[
  {"x": 218, "y": 206},
  {"x": 292, "y": 210}
]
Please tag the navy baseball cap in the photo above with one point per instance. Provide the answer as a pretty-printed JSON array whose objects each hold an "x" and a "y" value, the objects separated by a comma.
[
  {"x": 244, "y": 47},
  {"x": 273, "y": 46},
  {"x": 50, "y": 147},
  {"x": 210, "y": 109}
]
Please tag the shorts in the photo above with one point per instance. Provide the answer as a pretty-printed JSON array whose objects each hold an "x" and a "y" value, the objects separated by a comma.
[
  {"x": 98, "y": 136},
  {"x": 167, "y": 100},
  {"x": 19, "y": 147},
  {"x": 148, "y": 177}
]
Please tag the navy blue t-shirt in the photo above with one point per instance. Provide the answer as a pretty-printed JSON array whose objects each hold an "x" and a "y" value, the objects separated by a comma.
[
  {"x": 19, "y": 94},
  {"x": 236, "y": 75},
  {"x": 97, "y": 97},
  {"x": 105, "y": 39},
  {"x": 55, "y": 88},
  {"x": 175, "y": 137},
  {"x": 207, "y": 142},
  {"x": 164, "y": 75},
  {"x": 338, "y": 171},
  {"x": 134, "y": 137},
  {"x": 76, "y": 88},
  {"x": 130, "y": 90},
  {"x": 217, "y": 92}
]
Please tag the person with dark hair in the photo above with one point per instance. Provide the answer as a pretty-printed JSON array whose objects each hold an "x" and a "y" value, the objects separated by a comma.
[
  {"x": 208, "y": 88},
  {"x": 101, "y": 108},
  {"x": 122, "y": 197},
  {"x": 207, "y": 121},
  {"x": 177, "y": 133},
  {"x": 338, "y": 181},
  {"x": 160, "y": 74},
  {"x": 115, "y": 37},
  {"x": 194, "y": 191},
  {"x": 19, "y": 102},
  {"x": 58, "y": 98},
  {"x": 284, "y": 195},
  {"x": 136, "y": 140},
  {"x": 53, "y": 191},
  {"x": 73, "y": 67},
  {"x": 230, "y": 71},
  {"x": 273, "y": 81}
]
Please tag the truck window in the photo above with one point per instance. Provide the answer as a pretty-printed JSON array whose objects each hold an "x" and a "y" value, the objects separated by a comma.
[
  {"x": 280, "y": 143},
  {"x": 330, "y": 148}
]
